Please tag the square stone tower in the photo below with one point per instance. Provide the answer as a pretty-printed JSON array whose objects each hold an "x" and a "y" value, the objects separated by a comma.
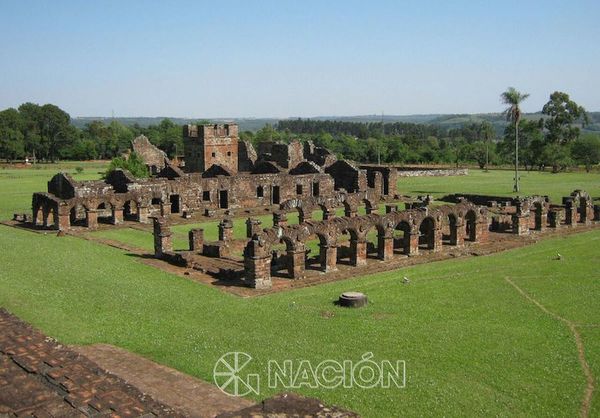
[{"x": 207, "y": 145}]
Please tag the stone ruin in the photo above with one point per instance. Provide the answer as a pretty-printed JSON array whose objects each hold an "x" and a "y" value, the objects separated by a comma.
[
  {"x": 410, "y": 232},
  {"x": 222, "y": 174}
]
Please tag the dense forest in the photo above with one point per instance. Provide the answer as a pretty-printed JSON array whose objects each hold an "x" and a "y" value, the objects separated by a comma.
[{"x": 554, "y": 139}]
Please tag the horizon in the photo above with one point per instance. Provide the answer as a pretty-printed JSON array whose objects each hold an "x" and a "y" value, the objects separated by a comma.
[{"x": 291, "y": 60}]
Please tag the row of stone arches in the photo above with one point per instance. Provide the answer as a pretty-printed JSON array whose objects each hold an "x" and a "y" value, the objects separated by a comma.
[{"x": 353, "y": 240}]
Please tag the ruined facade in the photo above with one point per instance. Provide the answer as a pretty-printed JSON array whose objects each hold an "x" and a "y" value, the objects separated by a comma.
[
  {"x": 155, "y": 159},
  {"x": 221, "y": 174}
]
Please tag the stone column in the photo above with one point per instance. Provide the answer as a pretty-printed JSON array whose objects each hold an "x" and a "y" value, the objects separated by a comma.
[
  {"x": 91, "y": 218},
  {"x": 358, "y": 251},
  {"x": 385, "y": 247},
  {"x": 413, "y": 243},
  {"x": 165, "y": 208},
  {"x": 196, "y": 239},
  {"x": 570, "y": 213},
  {"x": 457, "y": 234},
  {"x": 554, "y": 218},
  {"x": 328, "y": 257},
  {"x": 117, "y": 215},
  {"x": 252, "y": 227},
  {"x": 296, "y": 260},
  {"x": 437, "y": 239},
  {"x": 280, "y": 218},
  {"x": 64, "y": 218},
  {"x": 257, "y": 265},
  {"x": 142, "y": 214},
  {"x": 520, "y": 224},
  {"x": 226, "y": 230},
  {"x": 482, "y": 231},
  {"x": 328, "y": 213},
  {"x": 163, "y": 242}
]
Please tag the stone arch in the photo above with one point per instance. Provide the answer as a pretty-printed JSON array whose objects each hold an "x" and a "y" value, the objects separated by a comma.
[
  {"x": 471, "y": 225},
  {"x": 452, "y": 223},
  {"x": 427, "y": 233},
  {"x": 105, "y": 211},
  {"x": 77, "y": 214},
  {"x": 130, "y": 210},
  {"x": 401, "y": 237},
  {"x": 50, "y": 216}
]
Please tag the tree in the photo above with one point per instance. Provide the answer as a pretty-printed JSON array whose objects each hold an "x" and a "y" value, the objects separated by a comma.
[
  {"x": 12, "y": 144},
  {"x": 54, "y": 124},
  {"x": 513, "y": 99},
  {"x": 556, "y": 156},
  {"x": 586, "y": 150},
  {"x": 134, "y": 164},
  {"x": 563, "y": 114}
]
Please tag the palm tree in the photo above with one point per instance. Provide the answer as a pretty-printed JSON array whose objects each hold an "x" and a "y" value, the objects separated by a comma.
[{"x": 513, "y": 98}]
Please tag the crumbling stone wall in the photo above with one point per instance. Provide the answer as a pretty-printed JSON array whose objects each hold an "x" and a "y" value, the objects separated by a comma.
[{"x": 154, "y": 158}]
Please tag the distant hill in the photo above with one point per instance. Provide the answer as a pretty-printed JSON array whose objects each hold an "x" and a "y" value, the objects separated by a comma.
[{"x": 253, "y": 124}]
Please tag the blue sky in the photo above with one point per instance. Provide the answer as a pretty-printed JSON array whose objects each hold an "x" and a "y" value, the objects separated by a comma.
[{"x": 296, "y": 58}]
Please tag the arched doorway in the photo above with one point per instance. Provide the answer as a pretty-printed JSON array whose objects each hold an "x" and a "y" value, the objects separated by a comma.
[
  {"x": 427, "y": 234},
  {"x": 470, "y": 226},
  {"x": 402, "y": 238}
]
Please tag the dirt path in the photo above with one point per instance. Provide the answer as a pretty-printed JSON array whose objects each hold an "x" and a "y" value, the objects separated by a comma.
[
  {"x": 584, "y": 411},
  {"x": 193, "y": 396}
]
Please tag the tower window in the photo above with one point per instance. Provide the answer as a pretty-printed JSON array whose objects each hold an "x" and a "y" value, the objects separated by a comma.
[
  {"x": 260, "y": 192},
  {"x": 214, "y": 154},
  {"x": 298, "y": 189}
]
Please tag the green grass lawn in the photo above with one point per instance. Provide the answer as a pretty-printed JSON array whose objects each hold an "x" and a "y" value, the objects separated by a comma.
[
  {"x": 500, "y": 183},
  {"x": 472, "y": 344},
  {"x": 18, "y": 184}
]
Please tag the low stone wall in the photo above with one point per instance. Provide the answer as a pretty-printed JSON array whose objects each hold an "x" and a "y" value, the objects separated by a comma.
[{"x": 431, "y": 172}]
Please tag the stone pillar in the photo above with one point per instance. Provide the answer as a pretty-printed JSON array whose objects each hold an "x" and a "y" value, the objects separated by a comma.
[
  {"x": 163, "y": 242},
  {"x": 457, "y": 234},
  {"x": 226, "y": 230},
  {"x": 328, "y": 257},
  {"x": 296, "y": 260},
  {"x": 64, "y": 222},
  {"x": 570, "y": 213},
  {"x": 520, "y": 224},
  {"x": 391, "y": 208},
  {"x": 196, "y": 239},
  {"x": 117, "y": 215},
  {"x": 258, "y": 272},
  {"x": 252, "y": 227},
  {"x": 328, "y": 213},
  {"x": 165, "y": 208},
  {"x": 280, "y": 218},
  {"x": 554, "y": 218},
  {"x": 91, "y": 218},
  {"x": 482, "y": 231},
  {"x": 142, "y": 214},
  {"x": 437, "y": 239},
  {"x": 413, "y": 243},
  {"x": 385, "y": 247},
  {"x": 358, "y": 251}
]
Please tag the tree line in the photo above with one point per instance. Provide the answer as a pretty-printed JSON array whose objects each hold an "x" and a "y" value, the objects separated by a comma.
[
  {"x": 45, "y": 133},
  {"x": 555, "y": 140}
]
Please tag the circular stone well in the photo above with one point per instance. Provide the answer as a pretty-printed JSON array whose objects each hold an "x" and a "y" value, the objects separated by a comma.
[{"x": 353, "y": 299}]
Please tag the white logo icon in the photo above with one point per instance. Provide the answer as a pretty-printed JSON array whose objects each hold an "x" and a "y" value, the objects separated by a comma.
[{"x": 229, "y": 377}]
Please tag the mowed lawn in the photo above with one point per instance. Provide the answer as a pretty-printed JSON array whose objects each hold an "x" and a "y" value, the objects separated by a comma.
[
  {"x": 500, "y": 183},
  {"x": 473, "y": 345}
]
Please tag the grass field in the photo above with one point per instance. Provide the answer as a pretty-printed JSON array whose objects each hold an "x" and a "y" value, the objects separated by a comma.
[{"x": 473, "y": 345}]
